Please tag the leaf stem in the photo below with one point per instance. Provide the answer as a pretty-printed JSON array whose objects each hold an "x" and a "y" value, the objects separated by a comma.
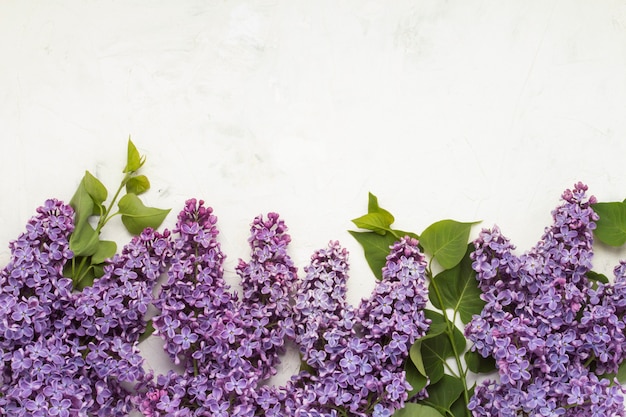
[
  {"x": 105, "y": 217},
  {"x": 450, "y": 326}
]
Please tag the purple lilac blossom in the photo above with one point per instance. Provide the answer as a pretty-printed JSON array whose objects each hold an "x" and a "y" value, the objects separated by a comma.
[
  {"x": 226, "y": 344},
  {"x": 71, "y": 353},
  {"x": 552, "y": 332},
  {"x": 229, "y": 345}
]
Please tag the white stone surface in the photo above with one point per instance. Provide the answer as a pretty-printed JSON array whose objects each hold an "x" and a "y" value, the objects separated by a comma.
[{"x": 472, "y": 110}]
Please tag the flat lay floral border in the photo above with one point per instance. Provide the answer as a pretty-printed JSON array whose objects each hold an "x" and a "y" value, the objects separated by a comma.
[{"x": 455, "y": 326}]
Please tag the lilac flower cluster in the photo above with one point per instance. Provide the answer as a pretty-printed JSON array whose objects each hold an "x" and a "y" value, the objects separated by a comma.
[
  {"x": 229, "y": 345},
  {"x": 355, "y": 357},
  {"x": 71, "y": 353},
  {"x": 552, "y": 332},
  {"x": 226, "y": 345}
]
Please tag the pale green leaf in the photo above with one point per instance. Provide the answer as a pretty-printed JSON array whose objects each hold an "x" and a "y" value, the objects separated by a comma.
[
  {"x": 94, "y": 188},
  {"x": 138, "y": 185},
  {"x": 83, "y": 205},
  {"x": 377, "y": 222},
  {"x": 84, "y": 240},
  {"x": 136, "y": 216},
  {"x": 134, "y": 160},
  {"x": 446, "y": 241},
  {"x": 106, "y": 249}
]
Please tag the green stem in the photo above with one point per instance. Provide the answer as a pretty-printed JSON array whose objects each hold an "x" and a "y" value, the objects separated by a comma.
[
  {"x": 79, "y": 274},
  {"x": 105, "y": 217},
  {"x": 450, "y": 326}
]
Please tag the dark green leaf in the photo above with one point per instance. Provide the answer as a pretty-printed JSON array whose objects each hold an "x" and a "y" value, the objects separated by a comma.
[
  {"x": 138, "y": 185},
  {"x": 459, "y": 408},
  {"x": 134, "y": 160},
  {"x": 136, "y": 217},
  {"x": 94, "y": 188},
  {"x": 86, "y": 279},
  {"x": 446, "y": 241},
  {"x": 437, "y": 324},
  {"x": 416, "y": 378},
  {"x": 149, "y": 330},
  {"x": 458, "y": 289},
  {"x": 106, "y": 249},
  {"x": 621, "y": 373},
  {"x": 376, "y": 249},
  {"x": 597, "y": 277},
  {"x": 84, "y": 240},
  {"x": 376, "y": 222},
  {"x": 98, "y": 270},
  {"x": 436, "y": 351},
  {"x": 611, "y": 227},
  {"x": 417, "y": 410},
  {"x": 444, "y": 393},
  {"x": 477, "y": 364}
]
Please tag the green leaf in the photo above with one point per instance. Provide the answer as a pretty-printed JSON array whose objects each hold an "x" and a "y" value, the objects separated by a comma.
[
  {"x": 417, "y": 410},
  {"x": 373, "y": 207},
  {"x": 621, "y": 373},
  {"x": 106, "y": 249},
  {"x": 377, "y": 219},
  {"x": 136, "y": 216},
  {"x": 597, "y": 277},
  {"x": 94, "y": 188},
  {"x": 444, "y": 393},
  {"x": 459, "y": 408},
  {"x": 138, "y": 185},
  {"x": 82, "y": 203},
  {"x": 437, "y": 324},
  {"x": 458, "y": 289},
  {"x": 436, "y": 351},
  {"x": 98, "y": 270},
  {"x": 376, "y": 222},
  {"x": 149, "y": 330},
  {"x": 477, "y": 364},
  {"x": 134, "y": 160},
  {"x": 376, "y": 248},
  {"x": 415, "y": 377},
  {"x": 84, "y": 240},
  {"x": 446, "y": 241},
  {"x": 86, "y": 280},
  {"x": 611, "y": 227}
]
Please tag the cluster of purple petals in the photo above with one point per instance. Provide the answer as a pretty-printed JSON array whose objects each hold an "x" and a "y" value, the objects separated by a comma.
[
  {"x": 552, "y": 333},
  {"x": 65, "y": 353},
  {"x": 355, "y": 357},
  {"x": 228, "y": 345},
  {"x": 225, "y": 343}
]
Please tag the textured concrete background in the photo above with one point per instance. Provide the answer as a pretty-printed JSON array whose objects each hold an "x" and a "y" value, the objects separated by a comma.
[{"x": 472, "y": 110}]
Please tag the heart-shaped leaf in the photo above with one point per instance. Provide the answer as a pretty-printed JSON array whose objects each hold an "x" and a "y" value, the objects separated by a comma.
[
  {"x": 458, "y": 289},
  {"x": 446, "y": 241},
  {"x": 376, "y": 248},
  {"x": 611, "y": 226}
]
